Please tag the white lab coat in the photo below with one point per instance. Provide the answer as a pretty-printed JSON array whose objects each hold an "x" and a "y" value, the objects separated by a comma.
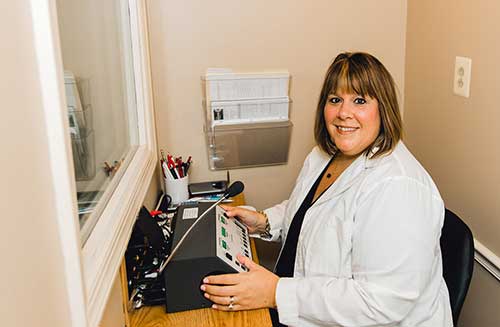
[{"x": 368, "y": 253}]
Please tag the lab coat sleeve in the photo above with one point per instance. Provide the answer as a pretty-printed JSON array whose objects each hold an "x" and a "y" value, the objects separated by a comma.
[{"x": 395, "y": 238}]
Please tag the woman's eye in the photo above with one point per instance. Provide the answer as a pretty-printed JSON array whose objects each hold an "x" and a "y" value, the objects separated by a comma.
[
  {"x": 359, "y": 101},
  {"x": 334, "y": 100}
]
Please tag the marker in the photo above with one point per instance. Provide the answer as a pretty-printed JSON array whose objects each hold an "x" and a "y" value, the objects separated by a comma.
[{"x": 188, "y": 163}]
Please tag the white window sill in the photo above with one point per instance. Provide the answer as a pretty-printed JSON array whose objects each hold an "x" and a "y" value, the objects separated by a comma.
[{"x": 103, "y": 252}]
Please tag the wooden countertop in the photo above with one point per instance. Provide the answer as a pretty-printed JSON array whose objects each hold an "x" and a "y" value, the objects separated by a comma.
[{"x": 157, "y": 317}]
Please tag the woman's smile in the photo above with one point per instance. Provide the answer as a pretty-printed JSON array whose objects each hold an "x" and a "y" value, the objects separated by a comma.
[{"x": 346, "y": 130}]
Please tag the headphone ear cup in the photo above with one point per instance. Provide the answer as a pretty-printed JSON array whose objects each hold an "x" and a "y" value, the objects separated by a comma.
[{"x": 148, "y": 227}]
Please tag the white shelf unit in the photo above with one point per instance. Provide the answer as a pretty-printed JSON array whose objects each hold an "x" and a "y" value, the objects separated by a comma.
[{"x": 240, "y": 108}]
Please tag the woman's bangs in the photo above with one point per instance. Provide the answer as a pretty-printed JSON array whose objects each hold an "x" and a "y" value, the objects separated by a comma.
[{"x": 349, "y": 82}]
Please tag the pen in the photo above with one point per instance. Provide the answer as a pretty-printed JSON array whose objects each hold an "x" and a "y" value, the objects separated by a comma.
[
  {"x": 184, "y": 168},
  {"x": 167, "y": 171},
  {"x": 162, "y": 169},
  {"x": 188, "y": 163},
  {"x": 178, "y": 165},
  {"x": 171, "y": 166}
]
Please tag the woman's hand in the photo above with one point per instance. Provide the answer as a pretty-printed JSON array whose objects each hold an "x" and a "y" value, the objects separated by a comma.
[
  {"x": 244, "y": 291},
  {"x": 255, "y": 221}
]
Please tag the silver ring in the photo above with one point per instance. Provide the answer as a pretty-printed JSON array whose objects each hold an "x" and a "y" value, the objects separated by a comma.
[
  {"x": 231, "y": 305},
  {"x": 231, "y": 300}
]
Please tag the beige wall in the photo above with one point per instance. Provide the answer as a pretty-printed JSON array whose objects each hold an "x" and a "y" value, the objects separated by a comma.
[
  {"x": 456, "y": 138},
  {"x": 482, "y": 302},
  {"x": 33, "y": 284},
  {"x": 113, "y": 314},
  {"x": 154, "y": 189},
  {"x": 189, "y": 36}
]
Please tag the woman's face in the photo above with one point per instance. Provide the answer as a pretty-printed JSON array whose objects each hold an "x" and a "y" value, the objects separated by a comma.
[{"x": 352, "y": 121}]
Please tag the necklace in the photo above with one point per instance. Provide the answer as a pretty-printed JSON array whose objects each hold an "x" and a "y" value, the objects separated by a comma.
[
  {"x": 337, "y": 167},
  {"x": 332, "y": 166}
]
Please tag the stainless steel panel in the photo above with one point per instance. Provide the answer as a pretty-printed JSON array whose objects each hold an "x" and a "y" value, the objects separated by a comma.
[{"x": 248, "y": 145}]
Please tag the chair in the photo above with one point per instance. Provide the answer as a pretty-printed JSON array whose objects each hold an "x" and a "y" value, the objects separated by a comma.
[{"x": 457, "y": 249}]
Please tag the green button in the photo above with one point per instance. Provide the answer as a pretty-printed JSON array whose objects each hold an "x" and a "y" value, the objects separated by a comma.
[
  {"x": 224, "y": 244},
  {"x": 222, "y": 219},
  {"x": 224, "y": 233}
]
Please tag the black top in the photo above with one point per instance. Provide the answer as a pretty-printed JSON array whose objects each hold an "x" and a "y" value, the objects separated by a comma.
[{"x": 286, "y": 261}]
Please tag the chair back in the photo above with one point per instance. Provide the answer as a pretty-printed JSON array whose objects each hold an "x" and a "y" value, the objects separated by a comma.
[{"x": 457, "y": 248}]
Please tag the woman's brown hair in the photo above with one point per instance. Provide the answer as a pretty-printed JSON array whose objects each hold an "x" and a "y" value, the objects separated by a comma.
[{"x": 362, "y": 74}]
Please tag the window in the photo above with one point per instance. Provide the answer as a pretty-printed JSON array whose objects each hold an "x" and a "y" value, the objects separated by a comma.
[
  {"x": 100, "y": 98},
  {"x": 92, "y": 256}
]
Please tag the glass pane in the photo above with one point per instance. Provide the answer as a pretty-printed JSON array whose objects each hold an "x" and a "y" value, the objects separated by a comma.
[{"x": 99, "y": 85}]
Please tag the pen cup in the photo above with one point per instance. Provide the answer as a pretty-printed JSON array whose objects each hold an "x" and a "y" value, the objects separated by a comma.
[{"x": 177, "y": 189}]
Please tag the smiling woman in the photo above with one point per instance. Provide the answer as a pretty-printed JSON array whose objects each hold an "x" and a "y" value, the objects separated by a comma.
[{"x": 361, "y": 227}]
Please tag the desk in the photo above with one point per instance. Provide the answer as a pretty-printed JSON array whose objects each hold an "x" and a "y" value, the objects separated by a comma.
[{"x": 157, "y": 317}]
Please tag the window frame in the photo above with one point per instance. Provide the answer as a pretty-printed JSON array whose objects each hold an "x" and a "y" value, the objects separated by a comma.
[{"x": 91, "y": 270}]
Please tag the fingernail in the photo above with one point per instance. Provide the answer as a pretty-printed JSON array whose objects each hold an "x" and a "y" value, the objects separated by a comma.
[
  {"x": 205, "y": 280},
  {"x": 202, "y": 287},
  {"x": 206, "y": 295},
  {"x": 214, "y": 306}
]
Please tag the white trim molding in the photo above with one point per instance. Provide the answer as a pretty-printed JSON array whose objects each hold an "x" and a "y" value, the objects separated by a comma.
[
  {"x": 90, "y": 271},
  {"x": 489, "y": 260},
  {"x": 48, "y": 54},
  {"x": 103, "y": 252}
]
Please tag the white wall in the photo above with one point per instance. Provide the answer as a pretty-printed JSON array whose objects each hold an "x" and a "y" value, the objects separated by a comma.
[{"x": 33, "y": 284}]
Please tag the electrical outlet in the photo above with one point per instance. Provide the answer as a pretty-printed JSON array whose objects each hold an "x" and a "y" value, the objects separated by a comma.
[{"x": 461, "y": 79}]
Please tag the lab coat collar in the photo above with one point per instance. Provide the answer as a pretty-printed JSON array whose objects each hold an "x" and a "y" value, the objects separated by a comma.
[{"x": 371, "y": 162}]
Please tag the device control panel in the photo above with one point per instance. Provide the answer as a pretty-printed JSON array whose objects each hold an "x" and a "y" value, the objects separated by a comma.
[{"x": 232, "y": 238}]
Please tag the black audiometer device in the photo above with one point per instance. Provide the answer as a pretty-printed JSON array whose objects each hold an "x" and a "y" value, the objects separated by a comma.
[{"x": 209, "y": 249}]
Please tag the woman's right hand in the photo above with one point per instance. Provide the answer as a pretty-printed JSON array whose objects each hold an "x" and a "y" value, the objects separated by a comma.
[{"x": 255, "y": 221}]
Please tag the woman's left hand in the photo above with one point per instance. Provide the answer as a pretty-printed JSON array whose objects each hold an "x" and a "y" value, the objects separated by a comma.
[{"x": 243, "y": 291}]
